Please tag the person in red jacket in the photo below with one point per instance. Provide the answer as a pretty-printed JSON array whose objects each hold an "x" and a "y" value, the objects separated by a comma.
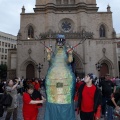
[
  {"x": 89, "y": 100},
  {"x": 30, "y": 109},
  {"x": 37, "y": 85},
  {"x": 78, "y": 84}
]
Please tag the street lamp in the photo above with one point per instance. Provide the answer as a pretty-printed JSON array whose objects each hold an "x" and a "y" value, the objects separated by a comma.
[
  {"x": 98, "y": 66},
  {"x": 0, "y": 73},
  {"x": 39, "y": 67}
]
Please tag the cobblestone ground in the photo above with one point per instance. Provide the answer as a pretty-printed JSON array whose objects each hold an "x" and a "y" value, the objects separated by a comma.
[{"x": 41, "y": 111}]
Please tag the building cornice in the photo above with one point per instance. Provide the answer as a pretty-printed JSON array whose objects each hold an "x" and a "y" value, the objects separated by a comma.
[{"x": 70, "y": 7}]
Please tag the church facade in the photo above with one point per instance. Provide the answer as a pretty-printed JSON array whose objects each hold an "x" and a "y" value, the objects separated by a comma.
[{"x": 97, "y": 52}]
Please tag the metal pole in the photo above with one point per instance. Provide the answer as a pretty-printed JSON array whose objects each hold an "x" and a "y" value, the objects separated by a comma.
[
  {"x": 39, "y": 67},
  {"x": 39, "y": 74}
]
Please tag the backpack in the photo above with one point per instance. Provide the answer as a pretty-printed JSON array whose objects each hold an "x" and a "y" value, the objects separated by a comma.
[{"x": 6, "y": 100}]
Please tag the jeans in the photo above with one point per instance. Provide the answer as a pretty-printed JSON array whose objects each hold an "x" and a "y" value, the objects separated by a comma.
[
  {"x": 104, "y": 103},
  {"x": 109, "y": 113}
]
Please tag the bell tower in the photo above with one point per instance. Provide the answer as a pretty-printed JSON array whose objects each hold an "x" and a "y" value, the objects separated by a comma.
[
  {"x": 65, "y": 5},
  {"x": 44, "y": 2},
  {"x": 91, "y": 1},
  {"x": 88, "y": 2}
]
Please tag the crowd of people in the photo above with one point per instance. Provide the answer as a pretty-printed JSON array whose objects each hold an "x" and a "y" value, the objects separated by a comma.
[
  {"x": 30, "y": 91},
  {"x": 94, "y": 98},
  {"x": 98, "y": 97}
]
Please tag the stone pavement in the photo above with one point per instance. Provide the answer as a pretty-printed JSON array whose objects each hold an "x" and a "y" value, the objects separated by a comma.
[{"x": 41, "y": 111}]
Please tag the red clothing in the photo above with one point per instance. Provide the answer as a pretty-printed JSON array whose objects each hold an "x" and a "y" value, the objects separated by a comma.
[
  {"x": 77, "y": 88},
  {"x": 33, "y": 83},
  {"x": 37, "y": 86},
  {"x": 78, "y": 85},
  {"x": 98, "y": 113},
  {"x": 88, "y": 98},
  {"x": 30, "y": 111}
]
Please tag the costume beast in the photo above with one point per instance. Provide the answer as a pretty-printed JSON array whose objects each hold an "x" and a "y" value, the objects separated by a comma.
[{"x": 60, "y": 83}]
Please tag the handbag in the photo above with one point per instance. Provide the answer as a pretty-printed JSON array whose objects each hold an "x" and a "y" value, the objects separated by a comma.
[{"x": 6, "y": 100}]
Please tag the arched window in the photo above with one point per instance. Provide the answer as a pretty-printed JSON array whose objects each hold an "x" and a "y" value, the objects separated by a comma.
[
  {"x": 65, "y": 2},
  {"x": 72, "y": 1},
  {"x": 30, "y": 32},
  {"x": 102, "y": 31},
  {"x": 58, "y": 2}
]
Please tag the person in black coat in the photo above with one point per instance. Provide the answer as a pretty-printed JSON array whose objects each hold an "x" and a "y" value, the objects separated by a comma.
[
  {"x": 1, "y": 106},
  {"x": 108, "y": 88},
  {"x": 1, "y": 87}
]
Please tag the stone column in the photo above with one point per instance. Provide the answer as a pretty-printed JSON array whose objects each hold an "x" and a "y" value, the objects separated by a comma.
[
  {"x": 69, "y": 2},
  {"x": 62, "y": 1}
]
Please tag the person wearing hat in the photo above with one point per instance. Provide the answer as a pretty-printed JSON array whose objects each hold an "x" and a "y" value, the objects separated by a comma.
[{"x": 89, "y": 100}]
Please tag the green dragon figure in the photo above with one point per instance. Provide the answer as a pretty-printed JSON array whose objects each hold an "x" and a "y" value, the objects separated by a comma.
[{"x": 60, "y": 83}]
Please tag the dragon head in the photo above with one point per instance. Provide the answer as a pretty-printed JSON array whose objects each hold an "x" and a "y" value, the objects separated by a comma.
[{"x": 60, "y": 41}]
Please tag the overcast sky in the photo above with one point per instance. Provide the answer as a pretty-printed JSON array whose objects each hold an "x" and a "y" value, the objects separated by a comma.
[{"x": 10, "y": 13}]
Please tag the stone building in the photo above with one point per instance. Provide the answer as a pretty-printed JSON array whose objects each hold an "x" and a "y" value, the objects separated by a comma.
[
  {"x": 118, "y": 51},
  {"x": 96, "y": 54},
  {"x": 7, "y": 41}
]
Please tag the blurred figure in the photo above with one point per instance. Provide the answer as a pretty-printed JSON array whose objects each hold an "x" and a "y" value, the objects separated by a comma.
[
  {"x": 1, "y": 95},
  {"x": 108, "y": 88},
  {"x": 113, "y": 80},
  {"x": 24, "y": 85},
  {"x": 37, "y": 85},
  {"x": 78, "y": 83},
  {"x": 30, "y": 109},
  {"x": 117, "y": 81},
  {"x": 11, "y": 89},
  {"x": 21, "y": 84},
  {"x": 113, "y": 104},
  {"x": 1, "y": 87}
]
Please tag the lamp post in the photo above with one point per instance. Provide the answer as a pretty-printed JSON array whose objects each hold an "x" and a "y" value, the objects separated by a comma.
[
  {"x": 0, "y": 73},
  {"x": 39, "y": 67}
]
